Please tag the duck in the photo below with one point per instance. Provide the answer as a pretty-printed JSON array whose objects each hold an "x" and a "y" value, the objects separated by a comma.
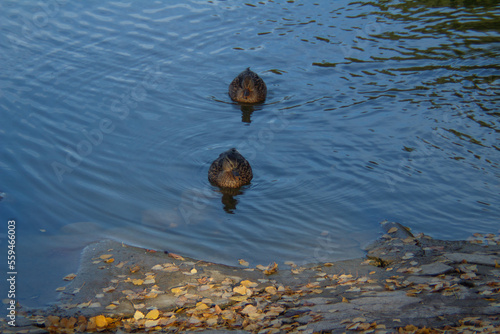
[
  {"x": 230, "y": 170},
  {"x": 248, "y": 87}
]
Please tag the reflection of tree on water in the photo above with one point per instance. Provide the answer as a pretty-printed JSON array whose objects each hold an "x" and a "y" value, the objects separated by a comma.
[{"x": 228, "y": 198}]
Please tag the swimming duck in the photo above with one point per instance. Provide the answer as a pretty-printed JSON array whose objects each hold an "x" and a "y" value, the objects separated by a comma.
[
  {"x": 248, "y": 87},
  {"x": 230, "y": 170}
]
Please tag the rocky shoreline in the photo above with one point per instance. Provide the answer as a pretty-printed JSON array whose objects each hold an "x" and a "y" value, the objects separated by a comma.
[{"x": 407, "y": 283}]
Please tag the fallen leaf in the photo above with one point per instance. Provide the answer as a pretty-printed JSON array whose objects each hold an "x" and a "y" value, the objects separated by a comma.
[
  {"x": 239, "y": 298},
  {"x": 249, "y": 309},
  {"x": 69, "y": 277},
  {"x": 110, "y": 260},
  {"x": 201, "y": 306},
  {"x": 62, "y": 288},
  {"x": 83, "y": 305},
  {"x": 105, "y": 256},
  {"x": 175, "y": 256},
  {"x": 271, "y": 269},
  {"x": 241, "y": 289},
  {"x": 344, "y": 300},
  {"x": 137, "y": 281},
  {"x": 194, "y": 271},
  {"x": 101, "y": 321},
  {"x": 151, "y": 323},
  {"x": 243, "y": 262},
  {"x": 121, "y": 264},
  {"x": 271, "y": 290},
  {"x": 392, "y": 230},
  {"x": 248, "y": 284},
  {"x": 217, "y": 309},
  {"x": 109, "y": 289},
  {"x": 177, "y": 291},
  {"x": 138, "y": 315},
  {"x": 153, "y": 314},
  {"x": 135, "y": 269}
]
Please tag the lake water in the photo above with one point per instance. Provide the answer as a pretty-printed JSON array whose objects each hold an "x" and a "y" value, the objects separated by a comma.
[{"x": 111, "y": 113}]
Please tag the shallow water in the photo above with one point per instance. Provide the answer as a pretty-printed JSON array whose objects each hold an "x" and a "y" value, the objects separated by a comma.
[{"x": 112, "y": 113}]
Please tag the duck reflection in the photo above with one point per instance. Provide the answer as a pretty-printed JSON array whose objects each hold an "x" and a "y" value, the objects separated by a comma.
[
  {"x": 246, "y": 113},
  {"x": 229, "y": 200}
]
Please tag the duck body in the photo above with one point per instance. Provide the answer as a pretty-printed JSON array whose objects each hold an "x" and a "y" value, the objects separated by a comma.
[
  {"x": 230, "y": 170},
  {"x": 248, "y": 87}
]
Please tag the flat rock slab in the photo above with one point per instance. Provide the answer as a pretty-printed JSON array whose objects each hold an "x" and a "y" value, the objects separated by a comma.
[
  {"x": 434, "y": 269},
  {"x": 119, "y": 286},
  {"x": 487, "y": 260}
]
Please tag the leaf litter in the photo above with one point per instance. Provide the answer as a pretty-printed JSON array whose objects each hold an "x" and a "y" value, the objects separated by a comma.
[{"x": 255, "y": 306}]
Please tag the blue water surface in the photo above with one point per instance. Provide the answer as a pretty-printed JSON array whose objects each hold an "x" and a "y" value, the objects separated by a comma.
[{"x": 111, "y": 113}]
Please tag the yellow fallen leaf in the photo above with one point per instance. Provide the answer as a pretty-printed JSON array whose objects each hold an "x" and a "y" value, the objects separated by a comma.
[
  {"x": 151, "y": 295},
  {"x": 217, "y": 309},
  {"x": 138, "y": 315},
  {"x": 83, "y": 305},
  {"x": 201, "y": 306},
  {"x": 137, "y": 281},
  {"x": 175, "y": 256},
  {"x": 239, "y": 298},
  {"x": 344, "y": 300},
  {"x": 135, "y": 269},
  {"x": 62, "y": 288},
  {"x": 496, "y": 264},
  {"x": 271, "y": 269},
  {"x": 194, "y": 271},
  {"x": 110, "y": 260},
  {"x": 177, "y": 291},
  {"x": 101, "y": 321},
  {"x": 243, "y": 262},
  {"x": 111, "y": 307},
  {"x": 153, "y": 314},
  {"x": 249, "y": 309},
  {"x": 121, "y": 264},
  {"x": 248, "y": 284},
  {"x": 392, "y": 230},
  {"x": 109, "y": 289},
  {"x": 396, "y": 320},
  {"x": 242, "y": 290},
  {"x": 105, "y": 256},
  {"x": 271, "y": 290},
  {"x": 69, "y": 277}
]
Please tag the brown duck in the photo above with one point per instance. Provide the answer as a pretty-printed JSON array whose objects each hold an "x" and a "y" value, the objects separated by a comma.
[
  {"x": 230, "y": 170},
  {"x": 248, "y": 87}
]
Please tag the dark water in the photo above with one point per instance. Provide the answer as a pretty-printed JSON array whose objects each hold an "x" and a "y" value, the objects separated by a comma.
[{"x": 111, "y": 113}]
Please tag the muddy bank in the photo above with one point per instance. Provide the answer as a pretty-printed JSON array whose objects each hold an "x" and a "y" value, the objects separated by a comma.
[{"x": 405, "y": 282}]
